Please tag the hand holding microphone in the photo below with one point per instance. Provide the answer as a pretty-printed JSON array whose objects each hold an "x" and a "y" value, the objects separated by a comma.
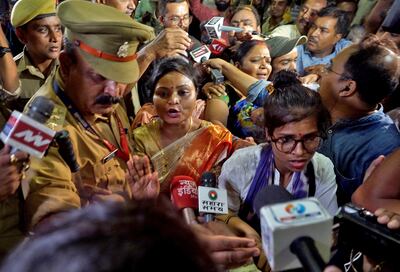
[
  {"x": 202, "y": 54},
  {"x": 26, "y": 133},
  {"x": 225, "y": 249}
]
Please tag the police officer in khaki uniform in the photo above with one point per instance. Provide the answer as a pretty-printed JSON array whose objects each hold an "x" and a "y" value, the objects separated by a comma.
[
  {"x": 98, "y": 61},
  {"x": 38, "y": 27}
]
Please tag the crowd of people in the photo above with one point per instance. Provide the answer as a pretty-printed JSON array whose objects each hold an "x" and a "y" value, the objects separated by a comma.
[{"x": 309, "y": 101}]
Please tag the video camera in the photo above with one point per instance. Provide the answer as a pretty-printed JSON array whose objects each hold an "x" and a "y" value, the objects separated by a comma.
[{"x": 360, "y": 230}]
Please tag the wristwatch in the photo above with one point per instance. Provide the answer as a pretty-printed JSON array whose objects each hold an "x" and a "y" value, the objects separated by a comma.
[{"x": 4, "y": 50}]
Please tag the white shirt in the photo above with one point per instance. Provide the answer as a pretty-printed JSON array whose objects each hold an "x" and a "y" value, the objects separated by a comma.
[{"x": 238, "y": 172}]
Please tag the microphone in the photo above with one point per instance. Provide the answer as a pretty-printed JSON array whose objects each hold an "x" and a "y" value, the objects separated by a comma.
[
  {"x": 200, "y": 55},
  {"x": 216, "y": 46},
  {"x": 211, "y": 200},
  {"x": 27, "y": 132},
  {"x": 289, "y": 229},
  {"x": 66, "y": 151},
  {"x": 215, "y": 27},
  {"x": 208, "y": 180},
  {"x": 184, "y": 197}
]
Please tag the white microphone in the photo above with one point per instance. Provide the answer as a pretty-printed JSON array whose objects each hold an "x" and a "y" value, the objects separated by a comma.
[
  {"x": 215, "y": 27},
  {"x": 211, "y": 200},
  {"x": 27, "y": 132},
  {"x": 200, "y": 54},
  {"x": 288, "y": 230}
]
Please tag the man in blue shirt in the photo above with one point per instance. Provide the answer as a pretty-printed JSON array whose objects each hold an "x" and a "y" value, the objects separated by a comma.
[
  {"x": 325, "y": 40},
  {"x": 352, "y": 87}
]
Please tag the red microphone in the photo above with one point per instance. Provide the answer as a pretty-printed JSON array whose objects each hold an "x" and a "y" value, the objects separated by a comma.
[
  {"x": 27, "y": 132},
  {"x": 184, "y": 197},
  {"x": 217, "y": 46}
]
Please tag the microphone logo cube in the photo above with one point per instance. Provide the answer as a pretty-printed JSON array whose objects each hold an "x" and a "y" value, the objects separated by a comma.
[
  {"x": 295, "y": 209},
  {"x": 200, "y": 54},
  {"x": 213, "y": 200},
  {"x": 213, "y": 27},
  {"x": 284, "y": 222},
  {"x": 27, "y": 134}
]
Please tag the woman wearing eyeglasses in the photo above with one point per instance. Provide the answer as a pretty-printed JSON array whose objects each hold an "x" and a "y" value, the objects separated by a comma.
[{"x": 295, "y": 120}]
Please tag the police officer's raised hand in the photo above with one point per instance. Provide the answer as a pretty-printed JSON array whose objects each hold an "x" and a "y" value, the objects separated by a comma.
[{"x": 142, "y": 180}]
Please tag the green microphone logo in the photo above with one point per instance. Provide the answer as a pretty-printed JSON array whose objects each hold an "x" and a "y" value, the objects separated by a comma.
[{"x": 212, "y": 195}]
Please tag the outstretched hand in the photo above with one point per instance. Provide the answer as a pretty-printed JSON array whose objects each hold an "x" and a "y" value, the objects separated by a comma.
[
  {"x": 142, "y": 180},
  {"x": 226, "y": 249}
]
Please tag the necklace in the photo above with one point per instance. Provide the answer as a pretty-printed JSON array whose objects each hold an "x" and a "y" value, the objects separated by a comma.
[{"x": 187, "y": 132}]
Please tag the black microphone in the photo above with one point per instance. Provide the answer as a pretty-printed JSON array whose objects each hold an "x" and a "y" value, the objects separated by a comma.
[
  {"x": 208, "y": 179},
  {"x": 40, "y": 109},
  {"x": 270, "y": 194},
  {"x": 66, "y": 150},
  {"x": 307, "y": 253}
]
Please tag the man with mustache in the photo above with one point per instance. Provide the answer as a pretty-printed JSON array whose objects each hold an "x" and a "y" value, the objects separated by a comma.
[
  {"x": 307, "y": 15},
  {"x": 98, "y": 62},
  {"x": 172, "y": 40},
  {"x": 325, "y": 40}
]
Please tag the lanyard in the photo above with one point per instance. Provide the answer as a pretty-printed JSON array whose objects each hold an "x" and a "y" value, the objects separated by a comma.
[{"x": 124, "y": 153}]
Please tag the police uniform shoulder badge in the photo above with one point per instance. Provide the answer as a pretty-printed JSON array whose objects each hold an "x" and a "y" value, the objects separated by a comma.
[
  {"x": 57, "y": 118},
  {"x": 123, "y": 50}
]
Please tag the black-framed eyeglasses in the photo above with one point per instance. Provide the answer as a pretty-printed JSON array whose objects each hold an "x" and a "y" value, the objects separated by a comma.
[{"x": 287, "y": 144}]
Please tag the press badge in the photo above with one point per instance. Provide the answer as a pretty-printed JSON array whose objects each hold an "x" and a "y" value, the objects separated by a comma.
[{"x": 109, "y": 156}]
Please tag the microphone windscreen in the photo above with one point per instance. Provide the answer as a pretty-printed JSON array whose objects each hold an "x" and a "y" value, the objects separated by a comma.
[
  {"x": 208, "y": 179},
  {"x": 184, "y": 192},
  {"x": 40, "y": 109},
  {"x": 270, "y": 194}
]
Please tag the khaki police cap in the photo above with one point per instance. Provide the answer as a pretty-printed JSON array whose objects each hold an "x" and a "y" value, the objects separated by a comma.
[
  {"x": 25, "y": 11},
  {"x": 106, "y": 38},
  {"x": 280, "y": 45}
]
